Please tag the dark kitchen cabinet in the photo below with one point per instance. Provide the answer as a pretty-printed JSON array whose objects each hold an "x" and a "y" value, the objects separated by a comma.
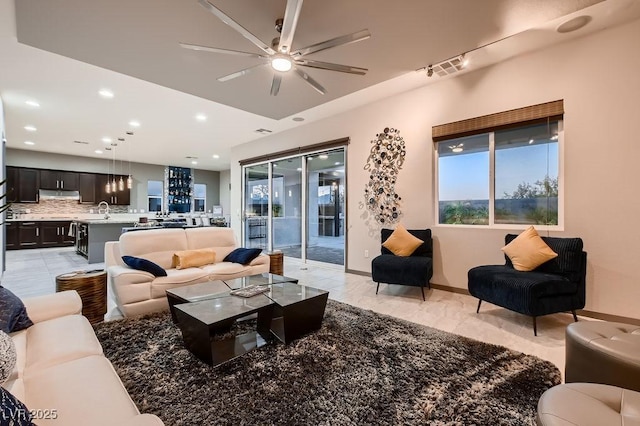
[
  {"x": 22, "y": 185},
  {"x": 11, "y": 240},
  {"x": 28, "y": 234},
  {"x": 55, "y": 234},
  {"x": 87, "y": 188},
  {"x": 56, "y": 179},
  {"x": 11, "y": 185}
]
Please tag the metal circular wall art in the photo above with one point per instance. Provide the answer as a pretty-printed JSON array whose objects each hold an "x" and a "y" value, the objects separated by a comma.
[{"x": 384, "y": 163}]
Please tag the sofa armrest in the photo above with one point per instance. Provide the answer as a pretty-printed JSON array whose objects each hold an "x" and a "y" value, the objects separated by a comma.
[
  {"x": 262, "y": 259},
  {"x": 143, "y": 420},
  {"x": 125, "y": 275},
  {"x": 43, "y": 308}
]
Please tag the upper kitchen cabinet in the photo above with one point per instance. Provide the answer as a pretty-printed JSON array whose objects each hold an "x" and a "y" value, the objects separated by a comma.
[
  {"x": 55, "y": 179},
  {"x": 22, "y": 185},
  {"x": 87, "y": 188}
]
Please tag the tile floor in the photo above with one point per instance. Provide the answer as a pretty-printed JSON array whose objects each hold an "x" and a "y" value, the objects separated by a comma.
[{"x": 33, "y": 272}]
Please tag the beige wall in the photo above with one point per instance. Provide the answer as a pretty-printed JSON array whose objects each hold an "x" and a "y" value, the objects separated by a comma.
[{"x": 597, "y": 76}]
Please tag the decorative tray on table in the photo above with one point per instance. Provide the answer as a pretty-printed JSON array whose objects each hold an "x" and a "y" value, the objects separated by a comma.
[{"x": 250, "y": 291}]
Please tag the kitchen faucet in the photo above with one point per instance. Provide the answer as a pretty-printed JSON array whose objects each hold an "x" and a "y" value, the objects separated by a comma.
[{"x": 103, "y": 208}]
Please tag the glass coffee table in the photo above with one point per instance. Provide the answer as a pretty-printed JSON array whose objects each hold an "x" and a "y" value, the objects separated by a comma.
[{"x": 286, "y": 311}]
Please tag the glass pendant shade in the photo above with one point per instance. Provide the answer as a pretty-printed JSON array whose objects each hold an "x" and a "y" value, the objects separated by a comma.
[
  {"x": 121, "y": 184},
  {"x": 129, "y": 182},
  {"x": 114, "y": 185},
  {"x": 107, "y": 188}
]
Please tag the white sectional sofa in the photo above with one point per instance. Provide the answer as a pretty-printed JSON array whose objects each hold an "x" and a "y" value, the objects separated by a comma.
[
  {"x": 138, "y": 292},
  {"x": 61, "y": 374}
]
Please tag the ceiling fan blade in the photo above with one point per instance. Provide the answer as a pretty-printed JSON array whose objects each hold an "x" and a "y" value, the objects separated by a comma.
[
  {"x": 290, "y": 22},
  {"x": 240, "y": 73},
  {"x": 275, "y": 84},
  {"x": 239, "y": 28},
  {"x": 331, "y": 67},
  {"x": 334, "y": 42},
  {"x": 306, "y": 77},
  {"x": 218, "y": 50}
]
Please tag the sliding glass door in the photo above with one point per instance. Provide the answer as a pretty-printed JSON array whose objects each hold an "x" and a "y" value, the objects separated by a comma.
[{"x": 297, "y": 205}]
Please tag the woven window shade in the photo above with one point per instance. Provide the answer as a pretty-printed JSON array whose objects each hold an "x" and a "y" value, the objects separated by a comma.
[
  {"x": 296, "y": 151},
  {"x": 500, "y": 120}
]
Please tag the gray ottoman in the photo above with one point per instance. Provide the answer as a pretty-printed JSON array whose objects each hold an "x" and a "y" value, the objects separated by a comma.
[
  {"x": 603, "y": 352},
  {"x": 588, "y": 404}
]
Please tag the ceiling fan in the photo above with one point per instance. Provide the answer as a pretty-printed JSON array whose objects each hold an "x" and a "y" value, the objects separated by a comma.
[{"x": 279, "y": 55}]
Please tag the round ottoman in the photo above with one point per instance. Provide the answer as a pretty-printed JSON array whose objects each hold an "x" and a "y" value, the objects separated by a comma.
[
  {"x": 588, "y": 404},
  {"x": 92, "y": 288},
  {"x": 603, "y": 352}
]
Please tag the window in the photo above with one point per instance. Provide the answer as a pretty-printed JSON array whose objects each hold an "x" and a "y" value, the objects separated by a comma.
[
  {"x": 524, "y": 162},
  {"x": 199, "y": 197},
  {"x": 154, "y": 195}
]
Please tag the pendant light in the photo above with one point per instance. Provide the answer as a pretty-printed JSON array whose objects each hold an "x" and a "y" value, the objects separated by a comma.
[
  {"x": 107, "y": 187},
  {"x": 121, "y": 184}
]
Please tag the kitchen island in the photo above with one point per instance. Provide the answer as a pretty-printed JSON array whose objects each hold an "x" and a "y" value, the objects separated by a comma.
[{"x": 91, "y": 234}]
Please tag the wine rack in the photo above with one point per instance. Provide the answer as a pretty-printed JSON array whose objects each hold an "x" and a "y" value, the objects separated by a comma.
[{"x": 179, "y": 189}]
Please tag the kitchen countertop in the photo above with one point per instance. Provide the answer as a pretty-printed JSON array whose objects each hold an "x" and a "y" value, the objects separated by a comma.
[
  {"x": 104, "y": 221},
  {"x": 44, "y": 219}
]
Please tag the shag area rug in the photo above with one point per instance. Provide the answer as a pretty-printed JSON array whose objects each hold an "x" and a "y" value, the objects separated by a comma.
[{"x": 359, "y": 368}]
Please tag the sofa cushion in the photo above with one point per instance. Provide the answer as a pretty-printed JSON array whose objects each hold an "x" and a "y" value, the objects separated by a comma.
[
  {"x": 13, "y": 314},
  {"x": 401, "y": 242},
  {"x": 243, "y": 256},
  {"x": 156, "y": 245},
  {"x": 59, "y": 340},
  {"x": 528, "y": 251},
  {"x": 84, "y": 392},
  {"x": 141, "y": 264},
  {"x": 12, "y": 411},
  {"x": 193, "y": 258},
  {"x": 225, "y": 269}
]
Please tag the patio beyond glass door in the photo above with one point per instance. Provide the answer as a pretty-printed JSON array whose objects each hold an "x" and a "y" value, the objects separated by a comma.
[
  {"x": 286, "y": 218},
  {"x": 256, "y": 206}
]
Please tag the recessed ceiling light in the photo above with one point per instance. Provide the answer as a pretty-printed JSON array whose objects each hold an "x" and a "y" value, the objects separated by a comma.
[
  {"x": 32, "y": 104},
  {"x": 97, "y": 151},
  {"x": 216, "y": 156},
  {"x": 299, "y": 169},
  {"x": 134, "y": 123},
  {"x": 29, "y": 143},
  {"x": 194, "y": 162},
  {"x": 573, "y": 24},
  {"x": 456, "y": 149},
  {"x": 298, "y": 118},
  {"x": 323, "y": 156},
  {"x": 531, "y": 141},
  {"x": 30, "y": 128},
  {"x": 106, "y": 140},
  {"x": 106, "y": 93},
  {"x": 201, "y": 117}
]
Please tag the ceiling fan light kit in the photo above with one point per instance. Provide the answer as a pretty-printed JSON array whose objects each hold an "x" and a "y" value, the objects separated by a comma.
[{"x": 279, "y": 55}]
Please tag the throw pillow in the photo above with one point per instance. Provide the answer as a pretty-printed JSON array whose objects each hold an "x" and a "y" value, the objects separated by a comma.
[
  {"x": 13, "y": 314},
  {"x": 243, "y": 255},
  {"x": 528, "y": 251},
  {"x": 194, "y": 258},
  {"x": 401, "y": 242},
  {"x": 144, "y": 265},
  {"x": 12, "y": 411},
  {"x": 7, "y": 356}
]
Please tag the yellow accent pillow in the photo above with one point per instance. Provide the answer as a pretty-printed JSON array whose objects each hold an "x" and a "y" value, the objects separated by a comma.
[
  {"x": 401, "y": 242},
  {"x": 193, "y": 258},
  {"x": 528, "y": 251}
]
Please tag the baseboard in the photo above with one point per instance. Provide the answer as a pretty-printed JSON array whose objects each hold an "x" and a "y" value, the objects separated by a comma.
[{"x": 581, "y": 312}]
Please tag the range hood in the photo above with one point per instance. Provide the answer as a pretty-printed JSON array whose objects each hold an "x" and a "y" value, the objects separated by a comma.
[{"x": 46, "y": 194}]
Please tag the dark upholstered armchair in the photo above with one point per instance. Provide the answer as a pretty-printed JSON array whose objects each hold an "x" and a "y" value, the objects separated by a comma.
[
  {"x": 555, "y": 286},
  {"x": 415, "y": 270}
]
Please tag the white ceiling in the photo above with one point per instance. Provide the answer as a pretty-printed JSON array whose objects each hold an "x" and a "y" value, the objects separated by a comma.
[{"x": 131, "y": 48}]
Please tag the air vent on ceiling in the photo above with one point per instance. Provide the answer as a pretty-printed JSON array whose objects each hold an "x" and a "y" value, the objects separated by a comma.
[
  {"x": 81, "y": 142},
  {"x": 264, "y": 131},
  {"x": 130, "y": 133},
  {"x": 449, "y": 66},
  {"x": 190, "y": 157}
]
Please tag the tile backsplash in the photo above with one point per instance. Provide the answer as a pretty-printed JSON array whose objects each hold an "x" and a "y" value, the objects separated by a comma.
[{"x": 62, "y": 206}]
